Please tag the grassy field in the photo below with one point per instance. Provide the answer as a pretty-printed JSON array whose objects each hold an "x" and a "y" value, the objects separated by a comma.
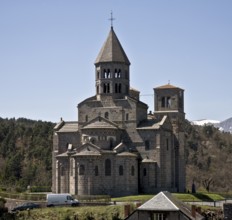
[
  {"x": 105, "y": 212},
  {"x": 185, "y": 197}
]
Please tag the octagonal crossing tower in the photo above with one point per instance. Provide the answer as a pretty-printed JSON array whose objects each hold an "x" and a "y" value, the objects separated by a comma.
[{"x": 112, "y": 69}]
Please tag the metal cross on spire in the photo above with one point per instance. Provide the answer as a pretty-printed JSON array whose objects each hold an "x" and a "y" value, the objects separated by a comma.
[{"x": 111, "y": 18}]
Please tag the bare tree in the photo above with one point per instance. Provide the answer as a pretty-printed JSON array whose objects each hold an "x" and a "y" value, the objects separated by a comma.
[{"x": 207, "y": 183}]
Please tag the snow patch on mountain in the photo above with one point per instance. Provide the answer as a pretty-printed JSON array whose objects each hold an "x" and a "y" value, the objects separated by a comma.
[
  {"x": 225, "y": 125},
  {"x": 205, "y": 122}
]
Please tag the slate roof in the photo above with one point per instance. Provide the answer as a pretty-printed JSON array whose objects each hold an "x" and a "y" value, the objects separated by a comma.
[
  {"x": 112, "y": 50},
  {"x": 88, "y": 153},
  {"x": 146, "y": 160},
  {"x": 164, "y": 201},
  {"x": 168, "y": 86},
  {"x": 160, "y": 202},
  {"x": 68, "y": 127},
  {"x": 100, "y": 122},
  {"x": 127, "y": 154},
  {"x": 152, "y": 123}
]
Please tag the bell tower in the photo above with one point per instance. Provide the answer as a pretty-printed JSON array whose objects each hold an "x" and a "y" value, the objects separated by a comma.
[
  {"x": 169, "y": 100},
  {"x": 112, "y": 73}
]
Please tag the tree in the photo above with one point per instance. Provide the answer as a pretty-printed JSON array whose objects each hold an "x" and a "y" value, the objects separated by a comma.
[{"x": 207, "y": 183}]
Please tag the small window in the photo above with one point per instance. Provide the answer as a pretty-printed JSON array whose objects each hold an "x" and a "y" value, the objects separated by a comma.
[
  {"x": 104, "y": 73},
  {"x": 119, "y": 73},
  {"x": 86, "y": 118},
  {"x": 108, "y": 74},
  {"x": 167, "y": 144},
  {"x": 107, "y": 167},
  {"x": 116, "y": 88},
  {"x": 147, "y": 145},
  {"x": 93, "y": 140},
  {"x": 127, "y": 116},
  {"x": 96, "y": 170},
  {"x": 111, "y": 143},
  {"x": 132, "y": 170},
  {"x": 107, "y": 115},
  {"x": 120, "y": 170},
  {"x": 144, "y": 171},
  {"x": 106, "y": 88},
  {"x": 119, "y": 87},
  {"x": 159, "y": 216},
  {"x": 169, "y": 102},
  {"x": 163, "y": 102},
  {"x": 81, "y": 170}
]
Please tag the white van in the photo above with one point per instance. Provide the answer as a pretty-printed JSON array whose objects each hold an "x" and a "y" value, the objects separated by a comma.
[{"x": 61, "y": 199}]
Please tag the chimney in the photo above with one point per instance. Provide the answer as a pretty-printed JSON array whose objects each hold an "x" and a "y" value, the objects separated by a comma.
[
  {"x": 126, "y": 210},
  {"x": 194, "y": 211}
]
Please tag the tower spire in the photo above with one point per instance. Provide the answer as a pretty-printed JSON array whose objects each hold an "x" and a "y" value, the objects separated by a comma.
[{"x": 111, "y": 18}]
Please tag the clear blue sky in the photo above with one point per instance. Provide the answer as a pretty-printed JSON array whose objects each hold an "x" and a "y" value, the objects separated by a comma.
[{"x": 48, "y": 49}]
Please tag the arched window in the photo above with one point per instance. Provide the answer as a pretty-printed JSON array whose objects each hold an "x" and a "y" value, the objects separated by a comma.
[
  {"x": 104, "y": 73},
  {"x": 107, "y": 115},
  {"x": 108, "y": 73},
  {"x": 163, "y": 102},
  {"x": 119, "y": 73},
  {"x": 115, "y": 73},
  {"x": 96, "y": 170},
  {"x": 81, "y": 170},
  {"x": 144, "y": 171},
  {"x": 127, "y": 116},
  {"x": 147, "y": 145},
  {"x": 93, "y": 140},
  {"x": 116, "y": 87},
  {"x": 120, "y": 170},
  {"x": 119, "y": 87},
  {"x": 111, "y": 143},
  {"x": 107, "y": 167},
  {"x": 169, "y": 102}
]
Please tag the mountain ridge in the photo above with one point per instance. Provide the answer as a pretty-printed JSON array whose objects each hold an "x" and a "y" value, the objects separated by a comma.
[{"x": 224, "y": 126}]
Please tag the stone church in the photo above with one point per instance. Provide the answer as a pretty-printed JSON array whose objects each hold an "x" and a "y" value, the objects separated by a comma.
[{"x": 116, "y": 147}]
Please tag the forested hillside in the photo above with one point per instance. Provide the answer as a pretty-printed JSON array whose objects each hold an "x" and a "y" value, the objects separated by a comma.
[
  {"x": 25, "y": 153},
  {"x": 208, "y": 158},
  {"x": 26, "y": 146}
]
